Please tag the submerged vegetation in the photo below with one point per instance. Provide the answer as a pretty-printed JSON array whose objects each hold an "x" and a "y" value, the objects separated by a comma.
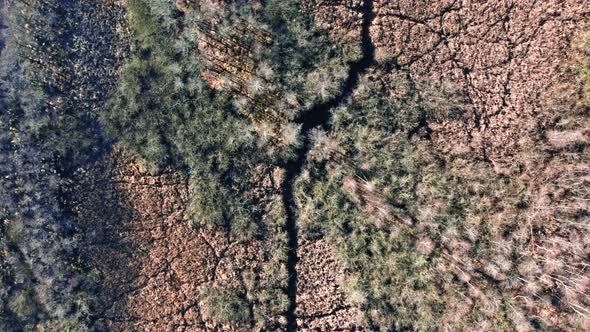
[{"x": 283, "y": 134}]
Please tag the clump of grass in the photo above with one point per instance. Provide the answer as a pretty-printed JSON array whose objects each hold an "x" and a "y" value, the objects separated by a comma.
[{"x": 432, "y": 241}]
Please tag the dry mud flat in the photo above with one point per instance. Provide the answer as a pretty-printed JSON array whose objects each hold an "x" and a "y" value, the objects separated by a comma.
[
  {"x": 149, "y": 262},
  {"x": 151, "y": 265},
  {"x": 321, "y": 304},
  {"x": 504, "y": 58}
]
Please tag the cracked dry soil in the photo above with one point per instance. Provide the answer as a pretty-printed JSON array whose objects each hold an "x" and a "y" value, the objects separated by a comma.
[
  {"x": 152, "y": 265},
  {"x": 502, "y": 55},
  {"x": 149, "y": 263}
]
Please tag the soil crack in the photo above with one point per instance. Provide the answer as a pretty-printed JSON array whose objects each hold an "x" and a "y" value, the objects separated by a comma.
[{"x": 318, "y": 117}]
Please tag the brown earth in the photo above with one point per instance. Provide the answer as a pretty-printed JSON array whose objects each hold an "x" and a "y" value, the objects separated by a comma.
[
  {"x": 503, "y": 65},
  {"x": 499, "y": 62},
  {"x": 151, "y": 266},
  {"x": 502, "y": 55},
  {"x": 321, "y": 303}
]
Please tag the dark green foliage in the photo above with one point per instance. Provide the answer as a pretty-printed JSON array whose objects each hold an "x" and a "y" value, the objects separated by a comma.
[
  {"x": 68, "y": 56},
  {"x": 228, "y": 306},
  {"x": 168, "y": 115},
  {"x": 361, "y": 192},
  {"x": 428, "y": 241},
  {"x": 153, "y": 24},
  {"x": 307, "y": 63},
  {"x": 165, "y": 112}
]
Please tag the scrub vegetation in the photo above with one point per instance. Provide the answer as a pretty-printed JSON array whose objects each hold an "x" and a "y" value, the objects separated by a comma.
[
  {"x": 284, "y": 135},
  {"x": 430, "y": 240},
  {"x": 167, "y": 110}
]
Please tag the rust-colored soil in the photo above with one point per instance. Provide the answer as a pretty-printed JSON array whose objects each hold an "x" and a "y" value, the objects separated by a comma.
[
  {"x": 503, "y": 55},
  {"x": 321, "y": 304},
  {"x": 150, "y": 264},
  {"x": 502, "y": 61}
]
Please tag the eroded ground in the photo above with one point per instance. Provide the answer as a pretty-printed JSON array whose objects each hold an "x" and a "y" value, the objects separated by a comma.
[
  {"x": 151, "y": 266},
  {"x": 504, "y": 55},
  {"x": 321, "y": 303},
  {"x": 498, "y": 63}
]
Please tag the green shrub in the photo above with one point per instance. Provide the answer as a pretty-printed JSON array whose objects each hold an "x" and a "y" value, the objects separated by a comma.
[
  {"x": 50, "y": 89},
  {"x": 227, "y": 306}
]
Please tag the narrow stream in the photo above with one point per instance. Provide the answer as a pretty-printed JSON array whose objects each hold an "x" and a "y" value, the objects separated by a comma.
[{"x": 318, "y": 117}]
